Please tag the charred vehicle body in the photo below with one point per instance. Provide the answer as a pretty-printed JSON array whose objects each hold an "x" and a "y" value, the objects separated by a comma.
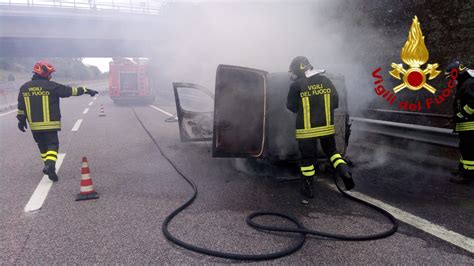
[{"x": 249, "y": 118}]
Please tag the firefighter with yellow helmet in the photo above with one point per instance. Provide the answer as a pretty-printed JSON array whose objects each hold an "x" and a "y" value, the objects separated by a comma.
[
  {"x": 313, "y": 98},
  {"x": 38, "y": 104}
]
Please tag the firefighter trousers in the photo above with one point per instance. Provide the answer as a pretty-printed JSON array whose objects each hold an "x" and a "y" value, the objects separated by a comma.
[
  {"x": 48, "y": 144},
  {"x": 309, "y": 150},
  {"x": 466, "y": 147}
]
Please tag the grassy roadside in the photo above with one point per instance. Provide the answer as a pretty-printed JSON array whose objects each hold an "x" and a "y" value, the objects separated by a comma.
[
  {"x": 23, "y": 77},
  {"x": 17, "y": 75}
]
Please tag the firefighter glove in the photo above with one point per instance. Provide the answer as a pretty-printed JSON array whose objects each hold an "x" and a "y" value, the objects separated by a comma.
[
  {"x": 90, "y": 92},
  {"x": 22, "y": 126}
]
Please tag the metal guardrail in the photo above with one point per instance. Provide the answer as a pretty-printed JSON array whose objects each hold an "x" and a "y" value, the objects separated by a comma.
[
  {"x": 433, "y": 135},
  {"x": 129, "y": 6},
  {"x": 413, "y": 114},
  {"x": 441, "y": 120}
]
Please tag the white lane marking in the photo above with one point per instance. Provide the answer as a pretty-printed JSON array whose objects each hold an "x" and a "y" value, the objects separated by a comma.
[
  {"x": 441, "y": 232},
  {"x": 77, "y": 125},
  {"x": 415, "y": 221},
  {"x": 12, "y": 111},
  {"x": 95, "y": 98},
  {"x": 39, "y": 195},
  {"x": 91, "y": 103},
  {"x": 85, "y": 111},
  {"x": 161, "y": 110}
]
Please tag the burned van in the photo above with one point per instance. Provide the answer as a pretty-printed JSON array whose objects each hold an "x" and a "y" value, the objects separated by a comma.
[{"x": 246, "y": 116}]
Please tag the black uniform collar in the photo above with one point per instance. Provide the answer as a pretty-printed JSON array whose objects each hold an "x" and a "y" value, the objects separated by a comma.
[{"x": 38, "y": 77}]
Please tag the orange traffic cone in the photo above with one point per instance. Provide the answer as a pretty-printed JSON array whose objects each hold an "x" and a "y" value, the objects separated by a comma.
[
  {"x": 102, "y": 113},
  {"x": 87, "y": 191}
]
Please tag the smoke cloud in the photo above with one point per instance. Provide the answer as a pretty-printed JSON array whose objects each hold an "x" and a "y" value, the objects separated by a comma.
[{"x": 195, "y": 38}]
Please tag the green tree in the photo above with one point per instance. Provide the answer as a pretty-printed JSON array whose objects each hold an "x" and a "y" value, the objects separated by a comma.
[{"x": 66, "y": 68}]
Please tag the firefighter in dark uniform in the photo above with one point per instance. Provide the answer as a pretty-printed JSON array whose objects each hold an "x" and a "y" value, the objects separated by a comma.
[
  {"x": 313, "y": 98},
  {"x": 464, "y": 119},
  {"x": 38, "y": 103}
]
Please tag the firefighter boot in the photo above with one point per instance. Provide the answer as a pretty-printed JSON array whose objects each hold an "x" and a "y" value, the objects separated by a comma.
[
  {"x": 463, "y": 178},
  {"x": 345, "y": 174},
  {"x": 307, "y": 187},
  {"x": 50, "y": 170}
]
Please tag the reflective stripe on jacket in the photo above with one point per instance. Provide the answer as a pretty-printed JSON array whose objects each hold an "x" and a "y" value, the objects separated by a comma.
[
  {"x": 38, "y": 100},
  {"x": 313, "y": 99},
  {"x": 464, "y": 106}
]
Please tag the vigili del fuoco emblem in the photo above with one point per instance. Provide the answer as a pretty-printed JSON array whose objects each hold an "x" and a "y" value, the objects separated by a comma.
[{"x": 415, "y": 54}]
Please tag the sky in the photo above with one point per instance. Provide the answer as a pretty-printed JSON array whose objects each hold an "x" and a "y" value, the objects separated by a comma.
[{"x": 100, "y": 62}]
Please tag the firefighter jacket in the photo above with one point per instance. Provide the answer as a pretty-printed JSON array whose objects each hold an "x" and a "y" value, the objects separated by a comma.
[
  {"x": 38, "y": 101},
  {"x": 464, "y": 106},
  {"x": 313, "y": 99}
]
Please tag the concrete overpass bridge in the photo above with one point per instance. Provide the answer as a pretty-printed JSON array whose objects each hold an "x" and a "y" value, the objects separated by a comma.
[{"x": 79, "y": 28}]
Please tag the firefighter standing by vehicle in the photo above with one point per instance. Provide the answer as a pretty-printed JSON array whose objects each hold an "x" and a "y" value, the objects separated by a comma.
[
  {"x": 313, "y": 98},
  {"x": 464, "y": 119},
  {"x": 38, "y": 103}
]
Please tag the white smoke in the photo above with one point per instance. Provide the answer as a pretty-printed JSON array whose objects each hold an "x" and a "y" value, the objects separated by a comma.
[{"x": 195, "y": 38}]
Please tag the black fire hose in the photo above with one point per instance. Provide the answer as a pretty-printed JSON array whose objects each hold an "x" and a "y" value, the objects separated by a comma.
[{"x": 299, "y": 228}]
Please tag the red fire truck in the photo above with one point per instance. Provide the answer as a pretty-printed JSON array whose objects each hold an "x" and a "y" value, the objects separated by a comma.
[{"x": 130, "y": 80}]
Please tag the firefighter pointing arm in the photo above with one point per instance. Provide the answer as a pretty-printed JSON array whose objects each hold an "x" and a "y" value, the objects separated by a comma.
[
  {"x": 38, "y": 103},
  {"x": 313, "y": 98},
  {"x": 464, "y": 118}
]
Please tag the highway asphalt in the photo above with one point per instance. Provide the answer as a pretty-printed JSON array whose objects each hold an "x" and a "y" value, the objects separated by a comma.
[{"x": 138, "y": 188}]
